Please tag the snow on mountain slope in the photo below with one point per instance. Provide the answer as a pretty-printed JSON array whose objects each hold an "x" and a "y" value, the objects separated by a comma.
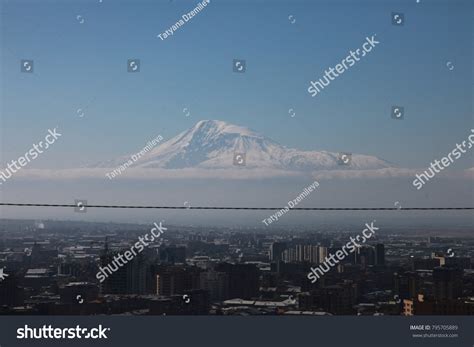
[{"x": 212, "y": 144}]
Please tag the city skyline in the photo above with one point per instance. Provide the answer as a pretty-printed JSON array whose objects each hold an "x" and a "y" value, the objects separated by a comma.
[{"x": 226, "y": 271}]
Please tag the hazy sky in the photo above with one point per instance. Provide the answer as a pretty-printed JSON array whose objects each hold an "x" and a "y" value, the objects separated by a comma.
[{"x": 84, "y": 66}]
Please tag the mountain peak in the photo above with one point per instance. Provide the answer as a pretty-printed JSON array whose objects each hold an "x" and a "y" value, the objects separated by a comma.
[
  {"x": 212, "y": 144},
  {"x": 221, "y": 127}
]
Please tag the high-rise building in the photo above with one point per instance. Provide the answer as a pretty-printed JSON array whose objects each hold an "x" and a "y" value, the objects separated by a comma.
[
  {"x": 216, "y": 283},
  {"x": 301, "y": 253},
  {"x": 447, "y": 283},
  {"x": 171, "y": 280},
  {"x": 379, "y": 254},
  {"x": 314, "y": 254},
  {"x": 173, "y": 254},
  {"x": 243, "y": 279},
  {"x": 407, "y": 284},
  {"x": 11, "y": 293},
  {"x": 322, "y": 253},
  {"x": 130, "y": 278},
  {"x": 276, "y": 250},
  {"x": 289, "y": 255},
  {"x": 365, "y": 256}
]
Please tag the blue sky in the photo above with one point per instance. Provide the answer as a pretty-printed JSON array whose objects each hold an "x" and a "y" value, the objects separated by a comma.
[{"x": 84, "y": 66}]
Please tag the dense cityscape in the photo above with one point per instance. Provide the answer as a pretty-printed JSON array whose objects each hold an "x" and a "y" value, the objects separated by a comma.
[{"x": 52, "y": 267}]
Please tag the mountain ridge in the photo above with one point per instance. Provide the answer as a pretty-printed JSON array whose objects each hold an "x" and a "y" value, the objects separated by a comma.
[{"x": 213, "y": 144}]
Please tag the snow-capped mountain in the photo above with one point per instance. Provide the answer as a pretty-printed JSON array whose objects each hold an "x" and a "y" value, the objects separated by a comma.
[{"x": 213, "y": 144}]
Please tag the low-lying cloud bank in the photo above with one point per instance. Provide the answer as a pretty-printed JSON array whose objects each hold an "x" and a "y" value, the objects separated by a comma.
[{"x": 237, "y": 174}]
